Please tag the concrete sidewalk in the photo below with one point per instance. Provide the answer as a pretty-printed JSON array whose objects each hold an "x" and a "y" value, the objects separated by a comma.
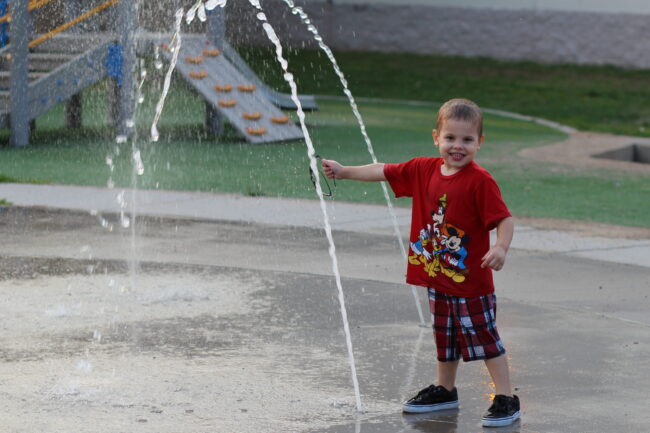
[
  {"x": 301, "y": 213},
  {"x": 201, "y": 325}
]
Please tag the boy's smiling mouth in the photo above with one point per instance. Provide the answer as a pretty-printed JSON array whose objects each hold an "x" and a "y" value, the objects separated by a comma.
[{"x": 457, "y": 156}]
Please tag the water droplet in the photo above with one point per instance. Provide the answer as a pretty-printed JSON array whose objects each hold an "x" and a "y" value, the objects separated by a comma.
[
  {"x": 137, "y": 161},
  {"x": 201, "y": 13},
  {"x": 211, "y": 4},
  {"x": 155, "y": 135}
]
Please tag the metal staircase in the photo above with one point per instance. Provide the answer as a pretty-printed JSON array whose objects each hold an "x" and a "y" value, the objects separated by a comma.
[
  {"x": 37, "y": 74},
  {"x": 58, "y": 70}
]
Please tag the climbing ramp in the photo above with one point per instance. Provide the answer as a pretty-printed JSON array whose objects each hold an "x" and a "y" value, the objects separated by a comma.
[
  {"x": 235, "y": 96},
  {"x": 282, "y": 100}
]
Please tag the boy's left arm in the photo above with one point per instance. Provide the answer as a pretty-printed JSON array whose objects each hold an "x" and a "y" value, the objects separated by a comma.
[{"x": 496, "y": 256}]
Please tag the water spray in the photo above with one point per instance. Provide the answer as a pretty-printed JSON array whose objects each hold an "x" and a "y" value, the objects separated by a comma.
[
  {"x": 270, "y": 33},
  {"x": 296, "y": 10}
]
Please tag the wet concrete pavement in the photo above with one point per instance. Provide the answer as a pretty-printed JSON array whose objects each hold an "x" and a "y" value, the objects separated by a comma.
[{"x": 201, "y": 323}]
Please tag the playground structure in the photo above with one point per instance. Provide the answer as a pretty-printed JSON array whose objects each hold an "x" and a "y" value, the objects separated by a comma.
[{"x": 38, "y": 72}]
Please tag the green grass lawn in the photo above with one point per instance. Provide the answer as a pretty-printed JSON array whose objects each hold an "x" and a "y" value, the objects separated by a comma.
[
  {"x": 595, "y": 98},
  {"x": 185, "y": 158}
]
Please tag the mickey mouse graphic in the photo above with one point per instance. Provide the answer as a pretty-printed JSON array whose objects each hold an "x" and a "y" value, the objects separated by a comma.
[
  {"x": 441, "y": 247},
  {"x": 454, "y": 252}
]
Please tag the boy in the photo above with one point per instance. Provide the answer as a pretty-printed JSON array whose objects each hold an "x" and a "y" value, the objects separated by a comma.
[{"x": 455, "y": 205}]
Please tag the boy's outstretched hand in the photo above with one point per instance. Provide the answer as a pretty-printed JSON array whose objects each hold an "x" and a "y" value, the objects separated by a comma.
[
  {"x": 366, "y": 173},
  {"x": 332, "y": 169}
]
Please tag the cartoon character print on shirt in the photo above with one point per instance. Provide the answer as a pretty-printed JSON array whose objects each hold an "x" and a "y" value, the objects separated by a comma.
[{"x": 441, "y": 247}]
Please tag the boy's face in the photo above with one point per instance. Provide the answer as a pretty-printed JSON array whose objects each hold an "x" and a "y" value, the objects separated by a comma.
[{"x": 458, "y": 141}]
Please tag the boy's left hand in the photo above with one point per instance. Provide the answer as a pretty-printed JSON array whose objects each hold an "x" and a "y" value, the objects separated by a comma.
[{"x": 495, "y": 258}]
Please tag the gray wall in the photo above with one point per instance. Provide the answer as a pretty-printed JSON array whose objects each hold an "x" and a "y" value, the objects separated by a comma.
[
  {"x": 554, "y": 36},
  {"x": 519, "y": 33}
]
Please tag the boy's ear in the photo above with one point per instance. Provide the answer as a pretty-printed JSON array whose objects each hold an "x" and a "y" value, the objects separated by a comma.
[
  {"x": 434, "y": 134},
  {"x": 481, "y": 140}
]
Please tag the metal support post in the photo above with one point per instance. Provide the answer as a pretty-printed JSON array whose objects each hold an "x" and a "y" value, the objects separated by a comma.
[
  {"x": 127, "y": 27},
  {"x": 216, "y": 33},
  {"x": 73, "y": 106},
  {"x": 4, "y": 27},
  {"x": 19, "y": 92}
]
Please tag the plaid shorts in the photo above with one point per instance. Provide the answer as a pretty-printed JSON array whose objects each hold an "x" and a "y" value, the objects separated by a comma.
[{"x": 465, "y": 326}]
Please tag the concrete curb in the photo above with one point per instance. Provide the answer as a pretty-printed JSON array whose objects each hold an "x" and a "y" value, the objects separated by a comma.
[{"x": 352, "y": 217}]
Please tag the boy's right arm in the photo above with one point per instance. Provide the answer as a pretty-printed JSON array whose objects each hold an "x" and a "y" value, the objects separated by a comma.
[{"x": 366, "y": 173}]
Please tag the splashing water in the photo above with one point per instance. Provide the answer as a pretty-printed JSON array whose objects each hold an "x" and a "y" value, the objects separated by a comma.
[
  {"x": 137, "y": 162},
  {"x": 270, "y": 33},
  {"x": 175, "y": 47},
  {"x": 111, "y": 167},
  {"x": 125, "y": 221},
  {"x": 143, "y": 77},
  {"x": 296, "y": 10},
  {"x": 157, "y": 62},
  {"x": 198, "y": 9}
]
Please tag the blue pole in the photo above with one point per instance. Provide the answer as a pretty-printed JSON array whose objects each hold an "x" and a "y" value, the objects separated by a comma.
[
  {"x": 73, "y": 106},
  {"x": 19, "y": 92},
  {"x": 127, "y": 27},
  {"x": 4, "y": 34}
]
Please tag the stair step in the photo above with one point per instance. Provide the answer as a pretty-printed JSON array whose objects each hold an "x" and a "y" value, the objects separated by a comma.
[
  {"x": 39, "y": 61},
  {"x": 5, "y": 78},
  {"x": 73, "y": 43},
  {"x": 47, "y": 89}
]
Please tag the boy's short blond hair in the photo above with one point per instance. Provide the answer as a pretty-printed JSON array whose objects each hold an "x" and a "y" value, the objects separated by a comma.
[{"x": 460, "y": 109}]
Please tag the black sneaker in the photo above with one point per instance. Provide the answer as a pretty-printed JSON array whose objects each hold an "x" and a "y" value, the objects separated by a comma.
[
  {"x": 432, "y": 398},
  {"x": 504, "y": 411}
]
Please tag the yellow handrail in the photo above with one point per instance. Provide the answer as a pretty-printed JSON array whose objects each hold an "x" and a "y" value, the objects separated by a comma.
[
  {"x": 71, "y": 23},
  {"x": 33, "y": 4}
]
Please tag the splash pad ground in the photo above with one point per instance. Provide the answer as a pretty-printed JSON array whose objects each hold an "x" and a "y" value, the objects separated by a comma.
[{"x": 234, "y": 326}]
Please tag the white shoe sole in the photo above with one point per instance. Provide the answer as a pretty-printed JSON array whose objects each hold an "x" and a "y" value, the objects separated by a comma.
[
  {"x": 408, "y": 408},
  {"x": 501, "y": 422}
]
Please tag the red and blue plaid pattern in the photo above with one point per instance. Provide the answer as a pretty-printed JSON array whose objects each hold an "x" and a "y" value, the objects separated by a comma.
[{"x": 465, "y": 326}]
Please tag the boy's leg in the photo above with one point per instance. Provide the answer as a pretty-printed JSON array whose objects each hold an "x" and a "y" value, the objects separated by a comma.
[
  {"x": 499, "y": 371},
  {"x": 444, "y": 395},
  {"x": 447, "y": 373},
  {"x": 505, "y": 408}
]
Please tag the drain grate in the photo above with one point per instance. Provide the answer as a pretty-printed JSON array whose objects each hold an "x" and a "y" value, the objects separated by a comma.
[{"x": 631, "y": 153}]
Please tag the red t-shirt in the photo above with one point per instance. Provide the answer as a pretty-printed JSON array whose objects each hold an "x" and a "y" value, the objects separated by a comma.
[{"x": 450, "y": 224}]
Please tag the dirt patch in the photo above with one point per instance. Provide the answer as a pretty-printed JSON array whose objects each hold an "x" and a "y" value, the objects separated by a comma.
[
  {"x": 585, "y": 229},
  {"x": 576, "y": 152},
  {"x": 578, "y": 149}
]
